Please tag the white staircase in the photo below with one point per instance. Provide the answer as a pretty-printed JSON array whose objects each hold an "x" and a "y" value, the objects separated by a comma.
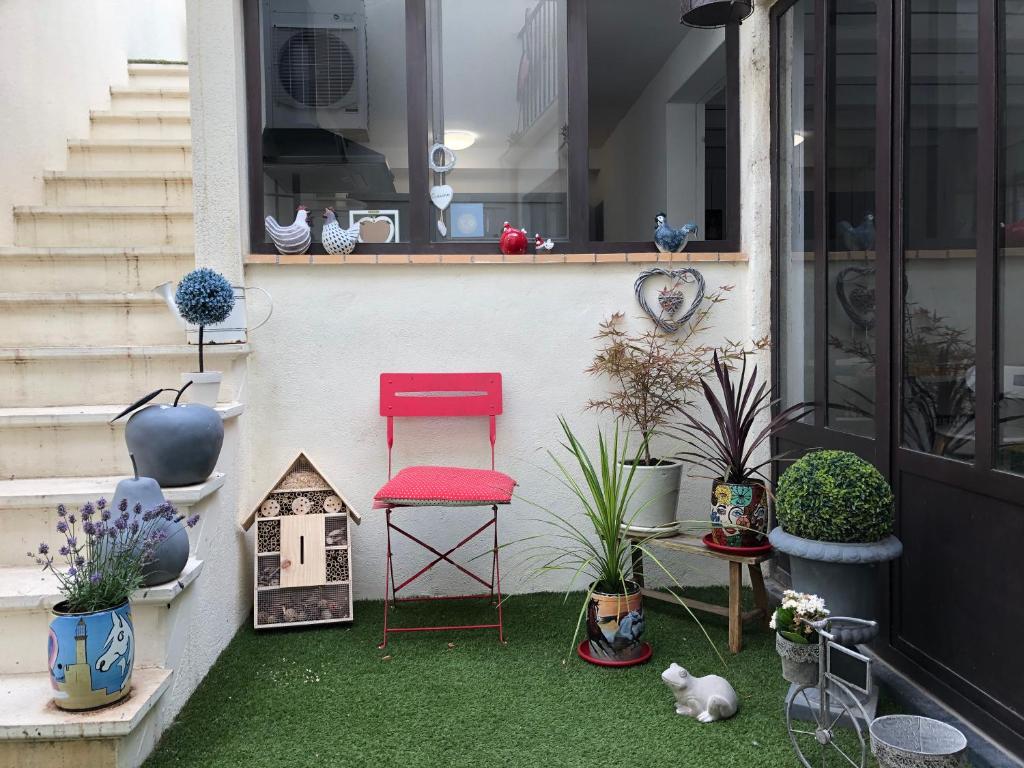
[{"x": 81, "y": 336}]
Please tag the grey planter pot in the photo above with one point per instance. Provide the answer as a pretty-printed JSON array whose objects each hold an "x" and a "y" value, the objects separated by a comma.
[
  {"x": 910, "y": 741},
  {"x": 799, "y": 662},
  {"x": 843, "y": 574}
]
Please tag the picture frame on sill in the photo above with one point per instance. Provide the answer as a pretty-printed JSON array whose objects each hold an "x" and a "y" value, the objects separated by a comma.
[
  {"x": 467, "y": 220},
  {"x": 376, "y": 226}
]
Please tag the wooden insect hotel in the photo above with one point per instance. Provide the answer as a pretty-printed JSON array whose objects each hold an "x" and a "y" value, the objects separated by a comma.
[{"x": 303, "y": 568}]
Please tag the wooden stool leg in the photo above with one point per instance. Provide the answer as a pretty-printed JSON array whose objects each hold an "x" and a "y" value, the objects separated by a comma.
[
  {"x": 735, "y": 613},
  {"x": 760, "y": 593},
  {"x": 637, "y": 559}
]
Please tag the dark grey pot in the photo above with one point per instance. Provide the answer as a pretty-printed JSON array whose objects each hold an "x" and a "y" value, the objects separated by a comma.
[
  {"x": 170, "y": 557},
  {"x": 175, "y": 445},
  {"x": 843, "y": 574}
]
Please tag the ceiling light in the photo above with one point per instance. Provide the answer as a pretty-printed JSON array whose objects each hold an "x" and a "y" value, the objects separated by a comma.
[{"x": 459, "y": 140}]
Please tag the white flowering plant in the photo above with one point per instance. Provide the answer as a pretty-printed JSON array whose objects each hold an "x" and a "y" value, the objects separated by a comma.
[{"x": 793, "y": 618}]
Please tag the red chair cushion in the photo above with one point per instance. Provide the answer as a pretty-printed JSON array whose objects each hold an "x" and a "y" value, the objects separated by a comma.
[{"x": 446, "y": 486}]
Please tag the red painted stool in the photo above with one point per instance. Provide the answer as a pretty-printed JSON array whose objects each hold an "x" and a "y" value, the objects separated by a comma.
[{"x": 439, "y": 395}]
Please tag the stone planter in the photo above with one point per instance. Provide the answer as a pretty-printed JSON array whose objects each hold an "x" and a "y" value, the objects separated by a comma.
[
  {"x": 799, "y": 662},
  {"x": 739, "y": 514},
  {"x": 652, "y": 508},
  {"x": 91, "y": 656},
  {"x": 615, "y": 624},
  {"x": 911, "y": 741},
  {"x": 843, "y": 574}
]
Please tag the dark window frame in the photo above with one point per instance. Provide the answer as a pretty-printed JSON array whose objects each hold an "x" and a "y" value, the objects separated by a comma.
[{"x": 419, "y": 221}]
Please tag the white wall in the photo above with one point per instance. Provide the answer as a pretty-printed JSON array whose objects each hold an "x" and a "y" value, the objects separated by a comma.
[{"x": 57, "y": 61}]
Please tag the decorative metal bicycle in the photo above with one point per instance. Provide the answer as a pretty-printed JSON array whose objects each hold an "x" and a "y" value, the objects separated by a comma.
[{"x": 840, "y": 724}]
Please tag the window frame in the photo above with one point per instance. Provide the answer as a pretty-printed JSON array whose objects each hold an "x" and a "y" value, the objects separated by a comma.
[{"x": 418, "y": 223}]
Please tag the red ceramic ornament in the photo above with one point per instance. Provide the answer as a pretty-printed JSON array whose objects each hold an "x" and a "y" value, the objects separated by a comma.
[{"x": 512, "y": 240}]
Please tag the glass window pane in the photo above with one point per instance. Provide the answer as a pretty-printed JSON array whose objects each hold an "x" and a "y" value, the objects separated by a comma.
[
  {"x": 498, "y": 101},
  {"x": 851, "y": 236},
  {"x": 334, "y": 119},
  {"x": 1010, "y": 370},
  {"x": 940, "y": 229},
  {"x": 796, "y": 203},
  {"x": 657, "y": 113}
]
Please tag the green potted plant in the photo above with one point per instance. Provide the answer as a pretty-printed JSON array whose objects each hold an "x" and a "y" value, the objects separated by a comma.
[
  {"x": 204, "y": 297},
  {"x": 835, "y": 512},
  {"x": 654, "y": 375},
  {"x": 727, "y": 445},
  {"x": 796, "y": 642},
  {"x": 599, "y": 551},
  {"x": 100, "y": 563}
]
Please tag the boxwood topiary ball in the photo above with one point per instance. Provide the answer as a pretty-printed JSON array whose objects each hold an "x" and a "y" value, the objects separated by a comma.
[
  {"x": 834, "y": 496},
  {"x": 204, "y": 297}
]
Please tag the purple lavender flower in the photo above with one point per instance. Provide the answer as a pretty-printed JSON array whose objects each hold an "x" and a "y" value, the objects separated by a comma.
[
  {"x": 95, "y": 578},
  {"x": 79, "y": 561},
  {"x": 71, "y": 518},
  {"x": 64, "y": 551},
  {"x": 101, "y": 504},
  {"x": 112, "y": 533},
  {"x": 72, "y": 541},
  {"x": 121, "y": 523},
  {"x": 72, "y": 571},
  {"x": 134, "y": 527},
  {"x": 191, "y": 522},
  {"x": 44, "y": 548},
  {"x": 62, "y": 527},
  {"x": 87, "y": 508},
  {"x": 90, "y": 528},
  {"x": 137, "y": 509},
  {"x": 124, "y": 516},
  {"x": 61, "y": 510},
  {"x": 123, "y": 504},
  {"x": 86, "y": 513},
  {"x": 105, "y": 515}
]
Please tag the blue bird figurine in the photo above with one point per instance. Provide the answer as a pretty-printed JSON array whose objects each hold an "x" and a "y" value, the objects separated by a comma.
[
  {"x": 859, "y": 238},
  {"x": 670, "y": 240}
]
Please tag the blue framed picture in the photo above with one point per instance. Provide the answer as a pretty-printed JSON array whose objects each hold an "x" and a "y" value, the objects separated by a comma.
[{"x": 467, "y": 219}]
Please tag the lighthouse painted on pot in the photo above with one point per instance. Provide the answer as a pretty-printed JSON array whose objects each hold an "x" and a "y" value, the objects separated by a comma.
[{"x": 513, "y": 241}]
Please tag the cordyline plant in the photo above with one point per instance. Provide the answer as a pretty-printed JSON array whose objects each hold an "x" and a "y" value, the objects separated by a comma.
[
  {"x": 726, "y": 446},
  {"x": 601, "y": 555},
  {"x": 655, "y": 374},
  {"x": 104, "y": 552}
]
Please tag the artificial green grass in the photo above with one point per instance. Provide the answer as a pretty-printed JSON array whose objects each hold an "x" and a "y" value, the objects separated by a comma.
[{"x": 328, "y": 696}]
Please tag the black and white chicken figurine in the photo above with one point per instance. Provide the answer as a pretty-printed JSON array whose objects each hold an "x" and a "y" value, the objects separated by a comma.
[
  {"x": 335, "y": 239},
  {"x": 293, "y": 239},
  {"x": 542, "y": 243},
  {"x": 861, "y": 237},
  {"x": 669, "y": 239}
]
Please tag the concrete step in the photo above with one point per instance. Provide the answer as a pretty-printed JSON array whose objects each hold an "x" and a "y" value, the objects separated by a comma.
[
  {"x": 157, "y": 99},
  {"x": 107, "y": 319},
  {"x": 125, "y": 155},
  {"x": 28, "y": 506},
  {"x": 69, "y": 440},
  {"x": 27, "y": 593},
  {"x": 34, "y": 733},
  {"x": 140, "y": 125},
  {"x": 36, "y": 269},
  {"x": 172, "y": 188},
  {"x": 103, "y": 225},
  {"x": 144, "y": 75},
  {"x": 32, "y": 376}
]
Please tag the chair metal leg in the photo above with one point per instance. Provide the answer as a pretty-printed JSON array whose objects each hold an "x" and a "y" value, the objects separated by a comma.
[
  {"x": 388, "y": 580},
  {"x": 497, "y": 578}
]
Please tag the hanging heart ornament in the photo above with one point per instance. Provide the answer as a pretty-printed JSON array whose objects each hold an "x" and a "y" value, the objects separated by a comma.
[
  {"x": 671, "y": 298},
  {"x": 441, "y": 195}
]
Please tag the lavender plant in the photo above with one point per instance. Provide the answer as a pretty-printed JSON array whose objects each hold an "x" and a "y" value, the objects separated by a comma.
[{"x": 104, "y": 552}]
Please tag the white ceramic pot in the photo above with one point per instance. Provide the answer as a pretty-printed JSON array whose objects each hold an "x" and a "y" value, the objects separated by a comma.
[
  {"x": 205, "y": 387},
  {"x": 652, "y": 508}
]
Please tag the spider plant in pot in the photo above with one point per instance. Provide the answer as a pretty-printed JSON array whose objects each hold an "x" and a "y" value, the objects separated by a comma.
[
  {"x": 727, "y": 445},
  {"x": 654, "y": 374},
  {"x": 597, "y": 549}
]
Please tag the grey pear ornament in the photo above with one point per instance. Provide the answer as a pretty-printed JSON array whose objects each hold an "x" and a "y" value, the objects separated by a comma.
[
  {"x": 170, "y": 556},
  {"x": 176, "y": 444}
]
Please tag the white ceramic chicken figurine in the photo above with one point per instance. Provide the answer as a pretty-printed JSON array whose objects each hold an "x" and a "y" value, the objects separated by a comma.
[
  {"x": 335, "y": 239},
  {"x": 295, "y": 238},
  {"x": 542, "y": 244}
]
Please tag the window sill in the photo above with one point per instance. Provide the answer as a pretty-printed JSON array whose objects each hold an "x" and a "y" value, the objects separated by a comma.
[{"x": 315, "y": 259}]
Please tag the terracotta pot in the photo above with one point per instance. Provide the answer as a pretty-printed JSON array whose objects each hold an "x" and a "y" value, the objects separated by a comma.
[
  {"x": 91, "y": 656},
  {"x": 799, "y": 662},
  {"x": 615, "y": 624},
  {"x": 738, "y": 504}
]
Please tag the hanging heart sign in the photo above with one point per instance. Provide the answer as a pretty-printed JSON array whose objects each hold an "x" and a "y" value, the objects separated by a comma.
[
  {"x": 670, "y": 299},
  {"x": 441, "y": 195}
]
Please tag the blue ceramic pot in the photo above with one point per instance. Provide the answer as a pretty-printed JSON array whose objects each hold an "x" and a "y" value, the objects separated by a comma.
[{"x": 91, "y": 656}]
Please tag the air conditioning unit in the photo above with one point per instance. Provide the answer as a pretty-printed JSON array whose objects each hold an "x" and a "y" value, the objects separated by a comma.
[{"x": 314, "y": 64}]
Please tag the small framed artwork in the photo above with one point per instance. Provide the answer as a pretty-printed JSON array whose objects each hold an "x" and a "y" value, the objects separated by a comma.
[
  {"x": 467, "y": 219},
  {"x": 376, "y": 226}
]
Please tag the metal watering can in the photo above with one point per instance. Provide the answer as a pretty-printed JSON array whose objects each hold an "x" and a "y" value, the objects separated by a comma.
[{"x": 233, "y": 330}]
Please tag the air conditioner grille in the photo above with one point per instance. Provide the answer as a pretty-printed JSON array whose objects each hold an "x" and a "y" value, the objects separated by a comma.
[{"x": 315, "y": 67}]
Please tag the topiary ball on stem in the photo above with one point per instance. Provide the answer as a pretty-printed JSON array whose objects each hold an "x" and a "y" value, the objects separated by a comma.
[
  {"x": 834, "y": 496},
  {"x": 204, "y": 297}
]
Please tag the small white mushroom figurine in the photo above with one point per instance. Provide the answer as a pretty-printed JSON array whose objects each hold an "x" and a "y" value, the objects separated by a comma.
[{"x": 707, "y": 698}]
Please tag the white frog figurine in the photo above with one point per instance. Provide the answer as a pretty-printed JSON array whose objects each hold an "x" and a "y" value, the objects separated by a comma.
[{"x": 707, "y": 698}]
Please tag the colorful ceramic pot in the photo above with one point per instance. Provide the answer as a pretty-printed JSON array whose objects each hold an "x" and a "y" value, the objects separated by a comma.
[
  {"x": 91, "y": 656},
  {"x": 799, "y": 661},
  {"x": 739, "y": 514},
  {"x": 615, "y": 624}
]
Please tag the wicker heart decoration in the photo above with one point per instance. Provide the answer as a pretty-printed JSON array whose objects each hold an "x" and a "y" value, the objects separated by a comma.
[
  {"x": 671, "y": 298},
  {"x": 441, "y": 195},
  {"x": 376, "y": 229}
]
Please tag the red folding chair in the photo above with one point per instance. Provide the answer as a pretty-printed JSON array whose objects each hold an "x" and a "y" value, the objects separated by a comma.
[{"x": 439, "y": 395}]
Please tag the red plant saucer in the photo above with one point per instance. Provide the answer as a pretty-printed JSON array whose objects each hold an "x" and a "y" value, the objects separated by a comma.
[
  {"x": 584, "y": 653},
  {"x": 760, "y": 549}
]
